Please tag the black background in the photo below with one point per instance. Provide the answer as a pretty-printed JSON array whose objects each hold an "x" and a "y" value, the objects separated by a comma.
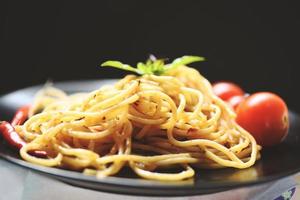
[{"x": 255, "y": 44}]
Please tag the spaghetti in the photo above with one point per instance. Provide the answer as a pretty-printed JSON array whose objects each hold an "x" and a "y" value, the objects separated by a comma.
[{"x": 147, "y": 123}]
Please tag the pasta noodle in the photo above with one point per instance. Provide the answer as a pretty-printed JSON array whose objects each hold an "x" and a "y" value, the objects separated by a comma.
[{"x": 155, "y": 125}]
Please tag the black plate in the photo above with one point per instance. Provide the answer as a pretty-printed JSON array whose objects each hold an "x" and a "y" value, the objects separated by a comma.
[{"x": 276, "y": 162}]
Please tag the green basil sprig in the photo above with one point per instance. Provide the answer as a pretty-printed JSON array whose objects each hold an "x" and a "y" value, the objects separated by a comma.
[{"x": 153, "y": 66}]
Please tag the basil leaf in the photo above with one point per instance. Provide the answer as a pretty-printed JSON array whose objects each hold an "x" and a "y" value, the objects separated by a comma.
[
  {"x": 144, "y": 69},
  {"x": 185, "y": 60},
  {"x": 158, "y": 67},
  {"x": 119, "y": 65},
  {"x": 153, "y": 65}
]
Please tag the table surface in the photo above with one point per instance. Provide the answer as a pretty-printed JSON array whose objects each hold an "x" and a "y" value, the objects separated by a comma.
[
  {"x": 297, "y": 194},
  {"x": 29, "y": 185}
]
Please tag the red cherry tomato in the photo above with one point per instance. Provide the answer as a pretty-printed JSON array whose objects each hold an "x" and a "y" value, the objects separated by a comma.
[
  {"x": 265, "y": 116},
  {"x": 235, "y": 101},
  {"x": 226, "y": 90}
]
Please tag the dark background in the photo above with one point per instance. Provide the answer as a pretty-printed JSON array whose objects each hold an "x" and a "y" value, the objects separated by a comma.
[{"x": 255, "y": 44}]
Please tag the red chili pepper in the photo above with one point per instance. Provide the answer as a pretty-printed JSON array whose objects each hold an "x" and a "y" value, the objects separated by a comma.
[
  {"x": 12, "y": 137},
  {"x": 21, "y": 115}
]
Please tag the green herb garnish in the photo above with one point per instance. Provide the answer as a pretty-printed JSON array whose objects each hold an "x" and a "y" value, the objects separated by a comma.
[{"x": 153, "y": 65}]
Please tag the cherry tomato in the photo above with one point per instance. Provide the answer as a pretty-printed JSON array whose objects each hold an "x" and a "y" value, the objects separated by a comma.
[
  {"x": 235, "y": 101},
  {"x": 265, "y": 116},
  {"x": 226, "y": 90}
]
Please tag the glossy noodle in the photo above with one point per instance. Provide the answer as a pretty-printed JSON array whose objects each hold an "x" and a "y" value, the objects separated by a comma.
[{"x": 162, "y": 127}]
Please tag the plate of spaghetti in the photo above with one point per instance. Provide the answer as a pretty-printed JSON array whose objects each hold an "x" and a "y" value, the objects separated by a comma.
[{"x": 162, "y": 132}]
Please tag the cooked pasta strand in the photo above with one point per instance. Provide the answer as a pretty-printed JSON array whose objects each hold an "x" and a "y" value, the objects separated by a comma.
[{"x": 145, "y": 123}]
